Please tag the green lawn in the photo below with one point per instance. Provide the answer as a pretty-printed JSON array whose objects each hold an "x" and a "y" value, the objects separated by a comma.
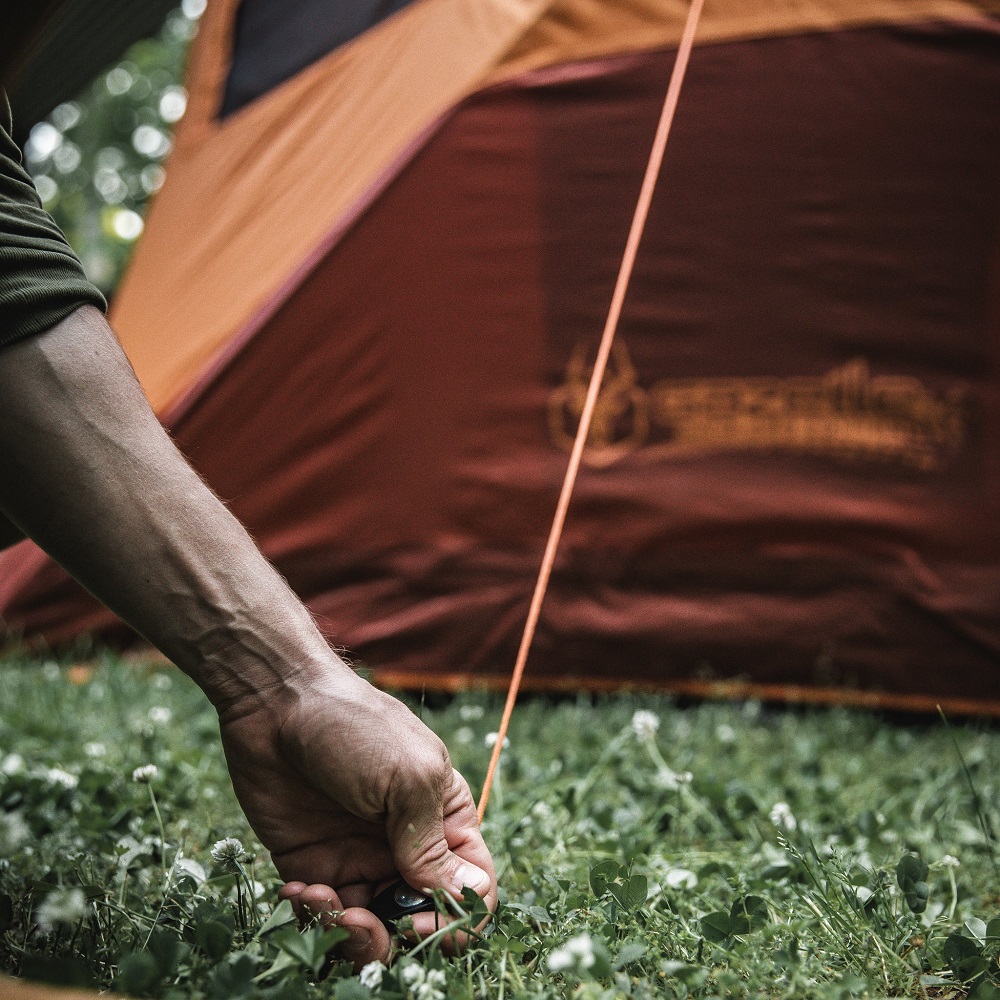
[{"x": 719, "y": 850}]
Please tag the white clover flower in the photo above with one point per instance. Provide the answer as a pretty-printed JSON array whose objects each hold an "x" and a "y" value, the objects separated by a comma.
[
  {"x": 412, "y": 974},
  {"x": 681, "y": 878},
  {"x": 781, "y": 816},
  {"x": 126, "y": 843},
  {"x": 559, "y": 960},
  {"x": 14, "y": 831},
  {"x": 145, "y": 774},
  {"x": 464, "y": 735},
  {"x": 626, "y": 817},
  {"x": 162, "y": 681},
  {"x": 95, "y": 749},
  {"x": 160, "y": 715},
  {"x": 577, "y": 952},
  {"x": 725, "y": 733},
  {"x": 61, "y": 906},
  {"x": 432, "y": 988},
  {"x": 542, "y": 810},
  {"x": 950, "y": 861},
  {"x": 229, "y": 852},
  {"x": 645, "y": 724},
  {"x": 57, "y": 776},
  {"x": 491, "y": 740},
  {"x": 670, "y": 780},
  {"x": 371, "y": 975},
  {"x": 583, "y": 948},
  {"x": 469, "y": 713},
  {"x": 12, "y": 763}
]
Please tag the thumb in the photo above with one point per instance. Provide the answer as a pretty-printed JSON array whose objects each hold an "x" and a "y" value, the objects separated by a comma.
[{"x": 435, "y": 839}]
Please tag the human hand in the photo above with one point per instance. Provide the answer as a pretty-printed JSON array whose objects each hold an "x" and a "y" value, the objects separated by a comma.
[
  {"x": 348, "y": 790},
  {"x": 341, "y": 783}
]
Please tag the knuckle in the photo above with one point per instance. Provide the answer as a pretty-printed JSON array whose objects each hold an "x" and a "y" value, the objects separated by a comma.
[{"x": 428, "y": 764}]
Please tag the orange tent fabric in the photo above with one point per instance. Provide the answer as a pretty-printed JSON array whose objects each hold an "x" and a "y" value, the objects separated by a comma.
[{"x": 366, "y": 305}]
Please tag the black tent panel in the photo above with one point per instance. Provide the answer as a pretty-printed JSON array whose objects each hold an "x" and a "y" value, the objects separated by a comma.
[
  {"x": 277, "y": 38},
  {"x": 81, "y": 39}
]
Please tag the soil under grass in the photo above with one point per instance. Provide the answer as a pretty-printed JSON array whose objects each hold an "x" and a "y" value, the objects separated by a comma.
[{"x": 644, "y": 850}]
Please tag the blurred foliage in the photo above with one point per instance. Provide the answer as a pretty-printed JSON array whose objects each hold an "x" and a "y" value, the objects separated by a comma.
[
  {"x": 645, "y": 851},
  {"x": 96, "y": 160}
]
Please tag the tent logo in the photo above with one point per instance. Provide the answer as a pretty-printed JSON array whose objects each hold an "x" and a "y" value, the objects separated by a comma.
[
  {"x": 621, "y": 417},
  {"x": 848, "y": 414}
]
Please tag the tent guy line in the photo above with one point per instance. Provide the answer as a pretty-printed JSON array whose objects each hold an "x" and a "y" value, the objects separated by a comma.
[
  {"x": 400, "y": 899},
  {"x": 600, "y": 363}
]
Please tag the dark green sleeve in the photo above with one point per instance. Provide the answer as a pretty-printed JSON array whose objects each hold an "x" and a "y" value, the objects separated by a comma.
[{"x": 41, "y": 279}]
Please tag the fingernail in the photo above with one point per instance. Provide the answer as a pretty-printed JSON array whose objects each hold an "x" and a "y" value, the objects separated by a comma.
[
  {"x": 359, "y": 939},
  {"x": 473, "y": 877}
]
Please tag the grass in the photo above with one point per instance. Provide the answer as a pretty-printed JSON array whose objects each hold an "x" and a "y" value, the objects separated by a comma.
[{"x": 644, "y": 850}]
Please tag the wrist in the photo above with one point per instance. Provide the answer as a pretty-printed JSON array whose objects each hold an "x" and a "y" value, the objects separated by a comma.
[{"x": 263, "y": 664}]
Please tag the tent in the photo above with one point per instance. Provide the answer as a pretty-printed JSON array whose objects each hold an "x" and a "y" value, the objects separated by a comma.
[{"x": 368, "y": 295}]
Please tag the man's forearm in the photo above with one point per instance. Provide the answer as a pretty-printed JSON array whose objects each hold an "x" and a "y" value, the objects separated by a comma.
[{"x": 88, "y": 473}]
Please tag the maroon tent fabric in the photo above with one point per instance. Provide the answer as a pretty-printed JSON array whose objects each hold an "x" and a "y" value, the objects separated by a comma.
[{"x": 794, "y": 475}]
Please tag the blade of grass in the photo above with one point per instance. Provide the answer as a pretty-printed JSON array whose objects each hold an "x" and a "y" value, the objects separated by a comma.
[{"x": 976, "y": 800}]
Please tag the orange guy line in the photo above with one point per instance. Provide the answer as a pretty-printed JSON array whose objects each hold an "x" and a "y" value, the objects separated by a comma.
[{"x": 607, "y": 338}]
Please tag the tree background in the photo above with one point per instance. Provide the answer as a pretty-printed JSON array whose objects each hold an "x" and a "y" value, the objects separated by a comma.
[{"x": 98, "y": 159}]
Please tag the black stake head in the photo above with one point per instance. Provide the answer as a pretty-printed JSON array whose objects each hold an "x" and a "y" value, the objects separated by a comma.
[{"x": 399, "y": 900}]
